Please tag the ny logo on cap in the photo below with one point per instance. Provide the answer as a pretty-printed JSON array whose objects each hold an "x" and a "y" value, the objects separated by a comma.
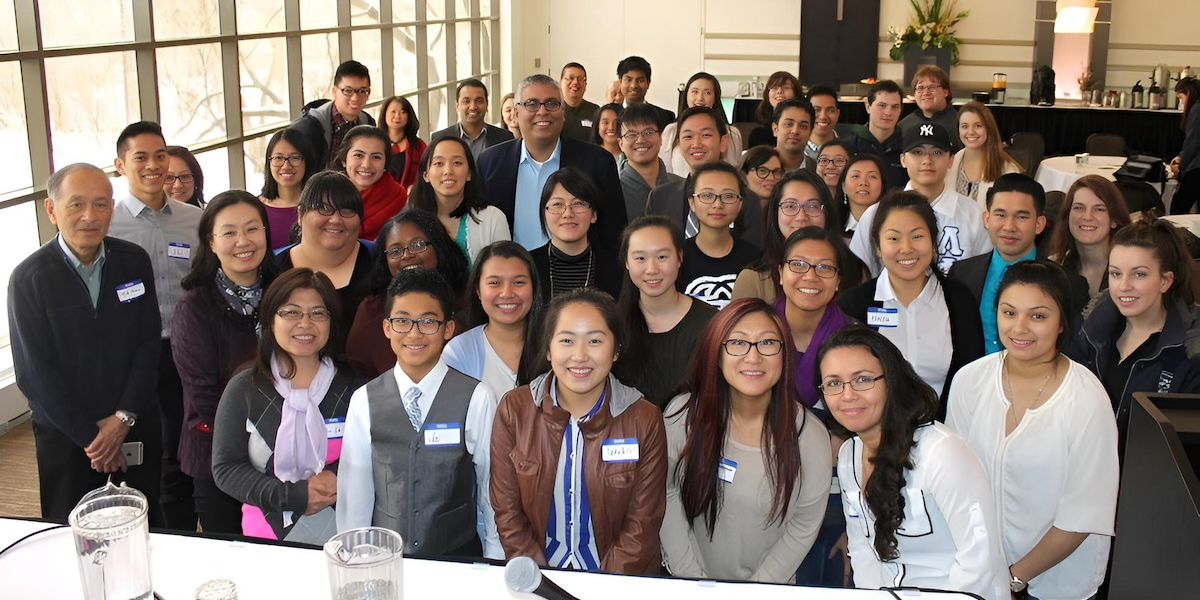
[{"x": 926, "y": 130}]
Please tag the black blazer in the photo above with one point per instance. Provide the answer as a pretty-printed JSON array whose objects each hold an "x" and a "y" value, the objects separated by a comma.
[
  {"x": 498, "y": 167},
  {"x": 664, "y": 116},
  {"x": 492, "y": 135},
  {"x": 966, "y": 329},
  {"x": 973, "y": 271}
]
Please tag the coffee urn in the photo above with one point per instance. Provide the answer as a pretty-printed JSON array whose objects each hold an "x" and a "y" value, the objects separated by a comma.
[
  {"x": 1137, "y": 94},
  {"x": 999, "y": 87}
]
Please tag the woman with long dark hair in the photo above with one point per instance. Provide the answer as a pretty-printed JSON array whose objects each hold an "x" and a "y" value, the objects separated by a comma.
[
  {"x": 664, "y": 323},
  {"x": 451, "y": 188},
  {"x": 1093, "y": 210},
  {"x": 570, "y": 207},
  {"x": 289, "y": 164},
  {"x": 278, "y": 434},
  {"x": 573, "y": 438},
  {"x": 863, "y": 183},
  {"x": 832, "y": 158},
  {"x": 918, "y": 504},
  {"x": 737, "y": 435},
  {"x": 399, "y": 121},
  {"x": 762, "y": 168},
  {"x": 506, "y": 306},
  {"x": 363, "y": 158},
  {"x": 412, "y": 239},
  {"x": 701, "y": 90},
  {"x": 214, "y": 334},
  {"x": 781, "y": 86},
  {"x": 1186, "y": 166},
  {"x": 184, "y": 181},
  {"x": 606, "y": 131}
]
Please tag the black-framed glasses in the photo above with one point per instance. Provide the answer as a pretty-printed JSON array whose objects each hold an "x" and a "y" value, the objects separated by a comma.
[
  {"x": 801, "y": 267},
  {"x": 532, "y": 105},
  {"x": 328, "y": 210},
  {"x": 425, "y": 325},
  {"x": 921, "y": 89},
  {"x": 709, "y": 198},
  {"x": 767, "y": 347},
  {"x": 861, "y": 383},
  {"x": 634, "y": 136},
  {"x": 316, "y": 315},
  {"x": 764, "y": 173},
  {"x": 791, "y": 208},
  {"x": 577, "y": 207},
  {"x": 185, "y": 179},
  {"x": 349, "y": 91},
  {"x": 295, "y": 160},
  {"x": 414, "y": 248},
  {"x": 839, "y": 162}
]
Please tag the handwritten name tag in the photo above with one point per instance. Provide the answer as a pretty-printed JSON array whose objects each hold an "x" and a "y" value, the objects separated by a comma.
[
  {"x": 619, "y": 450},
  {"x": 335, "y": 427},
  {"x": 883, "y": 317},
  {"x": 443, "y": 434},
  {"x": 179, "y": 250},
  {"x": 727, "y": 469},
  {"x": 128, "y": 292}
]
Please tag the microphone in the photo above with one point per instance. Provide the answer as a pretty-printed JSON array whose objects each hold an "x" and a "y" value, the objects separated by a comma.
[{"x": 523, "y": 576}]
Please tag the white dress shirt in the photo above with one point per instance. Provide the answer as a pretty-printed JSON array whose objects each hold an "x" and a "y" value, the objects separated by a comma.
[
  {"x": 1058, "y": 468},
  {"x": 961, "y": 233},
  {"x": 948, "y": 540},
  {"x": 356, "y": 482},
  {"x": 922, "y": 332}
]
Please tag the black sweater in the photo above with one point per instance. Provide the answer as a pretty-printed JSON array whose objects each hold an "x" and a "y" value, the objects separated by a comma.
[{"x": 78, "y": 364}]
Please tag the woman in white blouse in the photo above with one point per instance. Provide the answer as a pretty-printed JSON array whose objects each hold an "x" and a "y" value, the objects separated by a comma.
[
  {"x": 1043, "y": 427},
  {"x": 982, "y": 160},
  {"x": 919, "y": 510},
  {"x": 748, "y": 467}
]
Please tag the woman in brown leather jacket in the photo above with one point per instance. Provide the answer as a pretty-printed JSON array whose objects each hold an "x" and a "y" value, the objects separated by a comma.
[{"x": 579, "y": 470}]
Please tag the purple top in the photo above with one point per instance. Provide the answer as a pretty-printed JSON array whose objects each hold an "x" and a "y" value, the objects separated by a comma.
[
  {"x": 281, "y": 220},
  {"x": 806, "y": 361}
]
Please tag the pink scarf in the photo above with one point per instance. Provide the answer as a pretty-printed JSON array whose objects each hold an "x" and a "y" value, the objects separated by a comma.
[{"x": 300, "y": 442}]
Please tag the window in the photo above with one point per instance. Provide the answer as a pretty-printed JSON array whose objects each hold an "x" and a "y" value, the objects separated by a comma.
[
  {"x": 261, "y": 16},
  {"x": 92, "y": 98},
  {"x": 68, "y": 23},
  {"x": 319, "y": 55},
  {"x": 8, "y": 26},
  {"x": 264, "y": 87},
  {"x": 190, "y": 19},
  {"x": 191, "y": 93},
  {"x": 14, "y": 135}
]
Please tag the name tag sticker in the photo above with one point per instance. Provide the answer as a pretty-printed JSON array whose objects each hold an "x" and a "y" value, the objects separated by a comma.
[
  {"x": 335, "y": 428},
  {"x": 883, "y": 317},
  {"x": 179, "y": 250},
  {"x": 619, "y": 450},
  {"x": 443, "y": 434},
  {"x": 727, "y": 469},
  {"x": 128, "y": 292},
  {"x": 585, "y": 122}
]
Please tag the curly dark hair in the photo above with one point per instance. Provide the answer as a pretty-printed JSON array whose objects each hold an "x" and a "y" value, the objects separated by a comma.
[
  {"x": 910, "y": 403},
  {"x": 452, "y": 263}
]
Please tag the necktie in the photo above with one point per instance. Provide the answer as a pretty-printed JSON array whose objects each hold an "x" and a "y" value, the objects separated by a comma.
[{"x": 412, "y": 408}]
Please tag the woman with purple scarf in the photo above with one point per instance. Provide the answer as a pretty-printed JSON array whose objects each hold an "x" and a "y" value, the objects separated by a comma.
[{"x": 278, "y": 432}]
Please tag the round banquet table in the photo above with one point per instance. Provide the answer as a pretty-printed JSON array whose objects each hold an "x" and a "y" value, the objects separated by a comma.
[{"x": 1059, "y": 172}]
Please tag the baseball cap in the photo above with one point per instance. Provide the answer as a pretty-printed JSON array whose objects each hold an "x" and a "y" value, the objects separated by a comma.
[{"x": 926, "y": 133}]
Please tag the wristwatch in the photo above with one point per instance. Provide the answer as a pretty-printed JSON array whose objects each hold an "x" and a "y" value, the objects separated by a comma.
[
  {"x": 126, "y": 417},
  {"x": 1017, "y": 586}
]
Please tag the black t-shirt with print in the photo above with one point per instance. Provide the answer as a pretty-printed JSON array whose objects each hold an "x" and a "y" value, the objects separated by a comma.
[{"x": 710, "y": 279}]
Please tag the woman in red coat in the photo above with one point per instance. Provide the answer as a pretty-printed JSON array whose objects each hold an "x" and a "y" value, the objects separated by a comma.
[{"x": 363, "y": 158}]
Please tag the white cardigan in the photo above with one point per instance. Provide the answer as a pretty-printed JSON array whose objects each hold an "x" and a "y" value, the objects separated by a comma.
[
  {"x": 492, "y": 227},
  {"x": 672, "y": 156},
  {"x": 981, "y": 190}
]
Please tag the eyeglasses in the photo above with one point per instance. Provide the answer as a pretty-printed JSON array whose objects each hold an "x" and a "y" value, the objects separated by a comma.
[
  {"x": 350, "y": 92},
  {"x": 233, "y": 234},
  {"x": 185, "y": 179},
  {"x": 577, "y": 207},
  {"x": 425, "y": 325},
  {"x": 328, "y": 210},
  {"x": 764, "y": 173},
  {"x": 837, "y": 162},
  {"x": 921, "y": 89},
  {"x": 767, "y": 347},
  {"x": 709, "y": 198},
  {"x": 316, "y": 315},
  {"x": 861, "y": 383},
  {"x": 416, "y": 247},
  {"x": 792, "y": 208},
  {"x": 634, "y": 136},
  {"x": 531, "y": 105},
  {"x": 295, "y": 160},
  {"x": 824, "y": 271}
]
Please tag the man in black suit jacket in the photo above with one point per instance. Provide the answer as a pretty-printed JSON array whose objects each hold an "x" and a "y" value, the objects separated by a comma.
[
  {"x": 472, "y": 105},
  {"x": 85, "y": 330},
  {"x": 634, "y": 75},
  {"x": 515, "y": 171},
  {"x": 1015, "y": 214}
]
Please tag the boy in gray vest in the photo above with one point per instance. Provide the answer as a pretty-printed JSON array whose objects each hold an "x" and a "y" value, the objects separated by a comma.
[{"x": 415, "y": 454}]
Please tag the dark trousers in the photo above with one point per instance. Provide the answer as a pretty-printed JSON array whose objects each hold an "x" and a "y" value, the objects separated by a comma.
[
  {"x": 65, "y": 473},
  {"x": 1188, "y": 194},
  {"x": 218, "y": 512},
  {"x": 176, "y": 495},
  {"x": 818, "y": 569}
]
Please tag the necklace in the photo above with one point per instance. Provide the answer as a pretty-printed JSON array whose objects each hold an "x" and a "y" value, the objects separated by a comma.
[
  {"x": 550, "y": 260},
  {"x": 1011, "y": 413}
]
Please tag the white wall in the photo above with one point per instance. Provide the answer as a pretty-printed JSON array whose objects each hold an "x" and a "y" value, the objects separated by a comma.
[{"x": 1148, "y": 32}]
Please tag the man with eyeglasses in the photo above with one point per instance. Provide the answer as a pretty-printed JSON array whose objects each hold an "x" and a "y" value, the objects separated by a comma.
[
  {"x": 325, "y": 123},
  {"x": 931, "y": 89},
  {"x": 792, "y": 125},
  {"x": 824, "y": 101},
  {"x": 85, "y": 330},
  {"x": 642, "y": 170},
  {"x": 633, "y": 73},
  {"x": 472, "y": 106},
  {"x": 577, "y": 112},
  {"x": 515, "y": 172},
  {"x": 168, "y": 230}
]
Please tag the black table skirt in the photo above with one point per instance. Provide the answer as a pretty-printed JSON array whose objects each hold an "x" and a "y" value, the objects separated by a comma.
[{"x": 1065, "y": 128}]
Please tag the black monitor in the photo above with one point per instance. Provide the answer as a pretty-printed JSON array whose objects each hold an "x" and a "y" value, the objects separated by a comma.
[{"x": 1157, "y": 548}]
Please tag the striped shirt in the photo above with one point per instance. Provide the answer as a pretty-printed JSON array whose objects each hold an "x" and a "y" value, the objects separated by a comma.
[
  {"x": 570, "y": 272},
  {"x": 569, "y": 539}
]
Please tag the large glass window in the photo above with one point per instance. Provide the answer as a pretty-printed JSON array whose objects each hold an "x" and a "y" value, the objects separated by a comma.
[
  {"x": 263, "y": 65},
  {"x": 191, "y": 93},
  {"x": 14, "y": 136},
  {"x": 91, "y": 23},
  {"x": 188, "y": 19},
  {"x": 262, "y": 16},
  {"x": 92, "y": 98},
  {"x": 319, "y": 55},
  {"x": 8, "y": 26}
]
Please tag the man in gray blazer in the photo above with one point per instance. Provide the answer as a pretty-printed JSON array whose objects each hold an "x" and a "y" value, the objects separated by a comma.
[{"x": 472, "y": 105}]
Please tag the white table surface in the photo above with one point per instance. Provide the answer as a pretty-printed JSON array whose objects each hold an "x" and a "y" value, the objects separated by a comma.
[
  {"x": 44, "y": 567},
  {"x": 1059, "y": 172}
]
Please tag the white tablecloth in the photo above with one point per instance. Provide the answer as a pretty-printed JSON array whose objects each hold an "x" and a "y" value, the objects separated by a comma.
[
  {"x": 1058, "y": 173},
  {"x": 44, "y": 567}
]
